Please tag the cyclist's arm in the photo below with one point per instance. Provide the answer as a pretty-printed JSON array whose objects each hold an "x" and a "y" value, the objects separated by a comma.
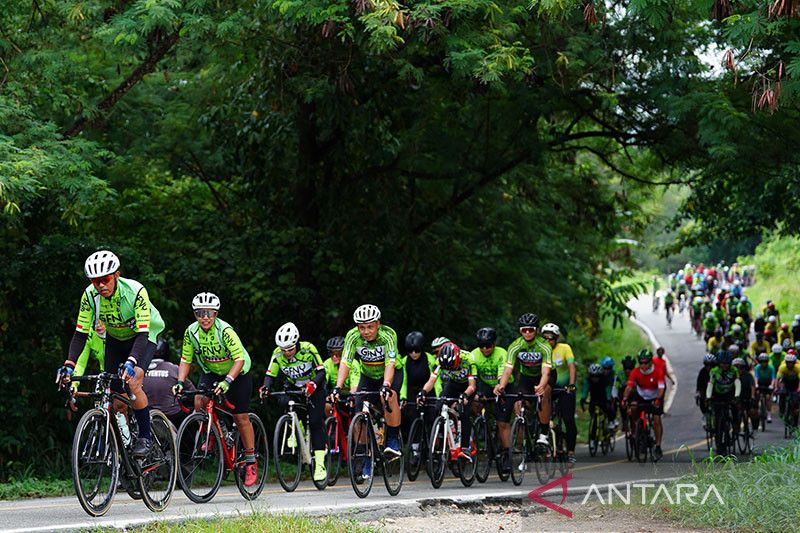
[
  {"x": 710, "y": 388},
  {"x": 187, "y": 356},
  {"x": 391, "y": 358},
  {"x": 274, "y": 368},
  {"x": 141, "y": 306},
  {"x": 237, "y": 351},
  {"x": 348, "y": 359},
  {"x": 404, "y": 386},
  {"x": 431, "y": 381},
  {"x": 321, "y": 376},
  {"x": 471, "y": 387}
]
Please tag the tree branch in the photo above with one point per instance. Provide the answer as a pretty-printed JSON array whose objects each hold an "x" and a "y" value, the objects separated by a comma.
[
  {"x": 146, "y": 67},
  {"x": 604, "y": 158}
]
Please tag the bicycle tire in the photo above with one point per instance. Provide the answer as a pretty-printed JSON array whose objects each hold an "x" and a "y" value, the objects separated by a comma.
[
  {"x": 466, "y": 467},
  {"x": 518, "y": 451},
  {"x": 192, "y": 454},
  {"x": 331, "y": 433},
  {"x": 483, "y": 449},
  {"x": 160, "y": 467},
  {"x": 500, "y": 454},
  {"x": 287, "y": 458},
  {"x": 416, "y": 452},
  {"x": 393, "y": 467},
  {"x": 261, "y": 449},
  {"x": 438, "y": 452},
  {"x": 360, "y": 427},
  {"x": 630, "y": 446},
  {"x": 88, "y": 441},
  {"x": 641, "y": 442},
  {"x": 593, "y": 443},
  {"x": 562, "y": 457}
]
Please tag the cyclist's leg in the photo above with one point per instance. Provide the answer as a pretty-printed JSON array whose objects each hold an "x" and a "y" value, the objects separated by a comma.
[
  {"x": 393, "y": 419},
  {"x": 316, "y": 419},
  {"x": 205, "y": 382},
  {"x": 466, "y": 419},
  {"x": 365, "y": 384},
  {"x": 239, "y": 395},
  {"x": 566, "y": 407},
  {"x": 505, "y": 406},
  {"x": 117, "y": 353}
]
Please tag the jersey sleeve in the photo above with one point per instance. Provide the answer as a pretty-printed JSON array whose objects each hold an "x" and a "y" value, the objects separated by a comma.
[
  {"x": 187, "y": 349},
  {"x": 547, "y": 360},
  {"x": 511, "y": 354},
  {"x": 349, "y": 350},
  {"x": 473, "y": 367},
  {"x": 234, "y": 345},
  {"x": 315, "y": 354},
  {"x": 404, "y": 386},
  {"x": 141, "y": 311},
  {"x": 389, "y": 338},
  {"x": 85, "y": 315},
  {"x": 274, "y": 364}
]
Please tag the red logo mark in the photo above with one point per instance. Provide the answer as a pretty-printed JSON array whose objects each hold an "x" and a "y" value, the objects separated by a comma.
[{"x": 536, "y": 495}]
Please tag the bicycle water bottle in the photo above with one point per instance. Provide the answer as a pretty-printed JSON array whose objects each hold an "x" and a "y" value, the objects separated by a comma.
[
  {"x": 122, "y": 422},
  {"x": 229, "y": 436}
]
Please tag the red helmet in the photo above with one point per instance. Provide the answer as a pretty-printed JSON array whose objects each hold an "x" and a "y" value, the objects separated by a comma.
[
  {"x": 771, "y": 304},
  {"x": 785, "y": 326},
  {"x": 449, "y": 356}
]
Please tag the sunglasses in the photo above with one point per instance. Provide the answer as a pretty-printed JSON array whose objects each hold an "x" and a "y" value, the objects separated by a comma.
[
  {"x": 415, "y": 351},
  {"x": 485, "y": 346},
  {"x": 549, "y": 337},
  {"x": 205, "y": 313},
  {"x": 527, "y": 330},
  {"x": 102, "y": 280}
]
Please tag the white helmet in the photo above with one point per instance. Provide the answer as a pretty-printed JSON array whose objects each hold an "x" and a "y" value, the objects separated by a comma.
[
  {"x": 438, "y": 341},
  {"x": 551, "y": 328},
  {"x": 101, "y": 263},
  {"x": 206, "y": 300},
  {"x": 366, "y": 313},
  {"x": 287, "y": 336},
  {"x": 777, "y": 348},
  {"x": 772, "y": 319}
]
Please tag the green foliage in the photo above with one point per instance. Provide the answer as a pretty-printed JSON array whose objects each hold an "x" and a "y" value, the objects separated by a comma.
[
  {"x": 777, "y": 262},
  {"x": 257, "y": 522}
]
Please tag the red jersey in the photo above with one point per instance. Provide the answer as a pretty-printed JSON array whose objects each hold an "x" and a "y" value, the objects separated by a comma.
[
  {"x": 647, "y": 385},
  {"x": 661, "y": 365}
]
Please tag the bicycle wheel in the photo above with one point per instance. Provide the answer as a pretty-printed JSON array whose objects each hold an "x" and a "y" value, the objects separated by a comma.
[
  {"x": 543, "y": 461},
  {"x": 593, "y": 442},
  {"x": 415, "y": 453},
  {"x": 552, "y": 463},
  {"x": 361, "y": 454},
  {"x": 393, "y": 467},
  {"x": 466, "y": 465},
  {"x": 334, "y": 449},
  {"x": 762, "y": 412},
  {"x": 642, "y": 444},
  {"x": 745, "y": 434},
  {"x": 286, "y": 449},
  {"x": 483, "y": 451},
  {"x": 95, "y": 463},
  {"x": 562, "y": 457},
  {"x": 261, "y": 451},
  {"x": 500, "y": 455},
  {"x": 438, "y": 452},
  {"x": 200, "y": 458},
  {"x": 518, "y": 451},
  {"x": 630, "y": 446},
  {"x": 159, "y": 468}
]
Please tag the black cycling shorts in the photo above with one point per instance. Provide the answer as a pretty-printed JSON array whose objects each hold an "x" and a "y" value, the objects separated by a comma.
[
  {"x": 503, "y": 407},
  {"x": 647, "y": 405},
  {"x": 526, "y": 384},
  {"x": 366, "y": 384},
  {"x": 117, "y": 352},
  {"x": 238, "y": 393}
]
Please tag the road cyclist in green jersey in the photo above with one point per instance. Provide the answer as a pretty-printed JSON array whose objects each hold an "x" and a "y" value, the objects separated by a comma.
[
  {"x": 566, "y": 374},
  {"x": 301, "y": 366},
  {"x": 214, "y": 346},
  {"x": 490, "y": 361},
  {"x": 373, "y": 346},
  {"x": 530, "y": 360},
  {"x": 335, "y": 345},
  {"x": 132, "y": 326},
  {"x": 458, "y": 372}
]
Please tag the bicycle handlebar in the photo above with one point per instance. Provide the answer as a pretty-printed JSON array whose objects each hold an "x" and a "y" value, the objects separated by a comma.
[{"x": 209, "y": 392}]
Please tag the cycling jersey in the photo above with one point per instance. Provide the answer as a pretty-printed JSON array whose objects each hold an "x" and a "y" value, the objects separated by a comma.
[
  {"x": 765, "y": 374},
  {"x": 722, "y": 382},
  {"x": 466, "y": 370},
  {"x": 299, "y": 369},
  {"x": 647, "y": 385},
  {"x": 790, "y": 377},
  {"x": 669, "y": 298},
  {"x": 756, "y": 347},
  {"x": 127, "y": 313},
  {"x": 562, "y": 358},
  {"x": 416, "y": 374},
  {"x": 332, "y": 372},
  {"x": 531, "y": 356},
  {"x": 619, "y": 384},
  {"x": 372, "y": 357},
  {"x": 95, "y": 348},
  {"x": 215, "y": 350},
  {"x": 710, "y": 324},
  {"x": 714, "y": 345},
  {"x": 158, "y": 381},
  {"x": 595, "y": 388},
  {"x": 490, "y": 368},
  {"x": 776, "y": 359},
  {"x": 783, "y": 335}
]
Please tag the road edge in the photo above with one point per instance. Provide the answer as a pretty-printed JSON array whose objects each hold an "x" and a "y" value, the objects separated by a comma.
[{"x": 654, "y": 342}]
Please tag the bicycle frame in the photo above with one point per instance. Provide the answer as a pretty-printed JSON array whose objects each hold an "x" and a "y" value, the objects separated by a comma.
[
  {"x": 340, "y": 439},
  {"x": 453, "y": 430},
  {"x": 304, "y": 443},
  {"x": 211, "y": 408}
]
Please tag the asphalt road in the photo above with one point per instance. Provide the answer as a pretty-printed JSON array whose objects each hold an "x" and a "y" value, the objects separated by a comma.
[{"x": 684, "y": 440}]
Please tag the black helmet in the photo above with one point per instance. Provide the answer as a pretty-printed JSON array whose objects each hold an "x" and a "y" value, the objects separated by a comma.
[
  {"x": 449, "y": 356},
  {"x": 724, "y": 357},
  {"x": 528, "y": 320},
  {"x": 335, "y": 344},
  {"x": 628, "y": 362},
  {"x": 162, "y": 350},
  {"x": 486, "y": 336},
  {"x": 415, "y": 341}
]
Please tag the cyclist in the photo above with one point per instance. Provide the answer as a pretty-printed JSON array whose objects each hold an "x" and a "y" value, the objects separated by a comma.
[
  {"x": 758, "y": 346},
  {"x": 532, "y": 359},
  {"x": 373, "y": 346},
  {"x": 660, "y": 360},
  {"x": 737, "y": 334},
  {"x": 749, "y": 405},
  {"x": 759, "y": 324},
  {"x": 648, "y": 394},
  {"x": 669, "y": 305},
  {"x": 132, "y": 326},
  {"x": 335, "y": 345},
  {"x": 796, "y": 328},
  {"x": 458, "y": 371},
  {"x": 724, "y": 386},
  {"x": 745, "y": 311},
  {"x": 215, "y": 347},
  {"x": 417, "y": 369},
  {"x": 95, "y": 349},
  {"x": 595, "y": 391},
  {"x": 785, "y": 334},
  {"x": 607, "y": 364},
  {"x": 715, "y": 343},
  {"x": 566, "y": 375},
  {"x": 770, "y": 310},
  {"x": 776, "y": 357},
  {"x": 158, "y": 381},
  {"x": 788, "y": 379},
  {"x": 709, "y": 362},
  {"x": 721, "y": 316},
  {"x": 771, "y": 330},
  {"x": 765, "y": 380},
  {"x": 710, "y": 326}
]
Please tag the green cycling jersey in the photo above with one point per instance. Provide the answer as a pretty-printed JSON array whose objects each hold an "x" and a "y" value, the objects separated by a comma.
[
  {"x": 528, "y": 358},
  {"x": 215, "y": 350},
  {"x": 490, "y": 367},
  {"x": 722, "y": 382},
  {"x": 372, "y": 357},
  {"x": 332, "y": 371},
  {"x": 299, "y": 369},
  {"x": 466, "y": 370},
  {"x": 95, "y": 348},
  {"x": 127, "y": 313}
]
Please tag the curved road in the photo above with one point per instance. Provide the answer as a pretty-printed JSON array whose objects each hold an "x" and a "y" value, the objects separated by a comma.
[{"x": 684, "y": 440}]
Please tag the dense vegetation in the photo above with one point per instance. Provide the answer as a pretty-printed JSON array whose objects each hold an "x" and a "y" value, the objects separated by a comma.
[{"x": 455, "y": 162}]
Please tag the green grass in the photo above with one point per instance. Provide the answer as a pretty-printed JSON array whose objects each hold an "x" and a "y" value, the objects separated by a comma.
[
  {"x": 35, "y": 488},
  {"x": 758, "y": 496},
  {"x": 777, "y": 262},
  {"x": 257, "y": 522}
]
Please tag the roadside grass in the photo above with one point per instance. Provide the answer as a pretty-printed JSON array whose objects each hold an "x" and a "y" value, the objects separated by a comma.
[
  {"x": 260, "y": 522},
  {"x": 777, "y": 262},
  {"x": 17, "y": 489}
]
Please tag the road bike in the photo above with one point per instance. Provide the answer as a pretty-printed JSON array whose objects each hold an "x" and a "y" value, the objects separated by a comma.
[
  {"x": 365, "y": 442},
  {"x": 445, "y": 445},
  {"x": 600, "y": 436},
  {"x": 524, "y": 445},
  {"x": 745, "y": 430},
  {"x": 209, "y": 448},
  {"x": 642, "y": 435},
  {"x": 488, "y": 449},
  {"x": 669, "y": 313},
  {"x": 559, "y": 430},
  {"x": 763, "y": 394},
  {"x": 724, "y": 426},
  {"x": 101, "y": 451},
  {"x": 335, "y": 425},
  {"x": 292, "y": 443},
  {"x": 417, "y": 450},
  {"x": 681, "y": 304}
]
